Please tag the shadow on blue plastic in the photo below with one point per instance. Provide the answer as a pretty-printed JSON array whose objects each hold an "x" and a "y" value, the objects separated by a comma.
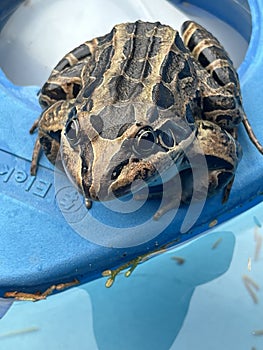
[{"x": 39, "y": 248}]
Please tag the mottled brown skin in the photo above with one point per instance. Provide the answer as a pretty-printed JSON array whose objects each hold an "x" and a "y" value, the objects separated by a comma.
[{"x": 129, "y": 105}]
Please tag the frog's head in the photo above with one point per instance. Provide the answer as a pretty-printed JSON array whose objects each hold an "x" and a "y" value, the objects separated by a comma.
[{"x": 109, "y": 157}]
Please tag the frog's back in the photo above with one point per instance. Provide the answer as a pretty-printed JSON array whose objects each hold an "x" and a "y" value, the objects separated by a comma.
[{"x": 140, "y": 62}]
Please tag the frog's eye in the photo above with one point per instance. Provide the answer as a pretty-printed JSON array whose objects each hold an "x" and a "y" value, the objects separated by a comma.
[
  {"x": 72, "y": 131},
  {"x": 145, "y": 141},
  {"x": 167, "y": 138}
]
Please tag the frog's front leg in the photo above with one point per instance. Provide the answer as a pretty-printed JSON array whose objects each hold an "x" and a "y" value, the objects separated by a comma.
[
  {"x": 222, "y": 153},
  {"x": 49, "y": 127}
]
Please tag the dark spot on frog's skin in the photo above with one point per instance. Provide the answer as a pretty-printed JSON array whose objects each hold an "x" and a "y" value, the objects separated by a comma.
[
  {"x": 142, "y": 28},
  {"x": 179, "y": 43},
  {"x": 123, "y": 128},
  {"x": 185, "y": 72},
  {"x": 142, "y": 45},
  {"x": 134, "y": 68},
  {"x": 46, "y": 143},
  {"x": 123, "y": 89},
  {"x": 162, "y": 96},
  {"x": 87, "y": 107},
  {"x": 170, "y": 66},
  {"x": 223, "y": 117},
  {"x": 224, "y": 75},
  {"x": 137, "y": 69},
  {"x": 104, "y": 62},
  {"x": 81, "y": 52},
  {"x": 166, "y": 138},
  {"x": 117, "y": 170},
  {"x": 72, "y": 113},
  {"x": 152, "y": 114},
  {"x": 212, "y": 82},
  {"x": 189, "y": 115},
  {"x": 215, "y": 162},
  {"x": 139, "y": 48},
  {"x": 76, "y": 89},
  {"x": 55, "y": 135},
  {"x": 91, "y": 87},
  {"x": 147, "y": 70},
  {"x": 203, "y": 59},
  {"x": 63, "y": 64},
  {"x": 155, "y": 46},
  {"x": 54, "y": 91},
  {"x": 218, "y": 102},
  {"x": 116, "y": 118},
  {"x": 227, "y": 121},
  {"x": 206, "y": 126},
  {"x": 71, "y": 72},
  {"x": 210, "y": 54},
  {"x": 127, "y": 48},
  {"x": 97, "y": 123},
  {"x": 185, "y": 26},
  {"x": 130, "y": 27},
  {"x": 198, "y": 36},
  {"x": 87, "y": 158},
  {"x": 43, "y": 104},
  {"x": 106, "y": 38}
]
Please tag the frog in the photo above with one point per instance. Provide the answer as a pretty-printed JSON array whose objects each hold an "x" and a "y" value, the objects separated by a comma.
[{"x": 124, "y": 109}]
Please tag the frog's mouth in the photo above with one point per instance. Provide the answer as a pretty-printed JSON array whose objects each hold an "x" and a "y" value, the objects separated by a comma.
[{"x": 133, "y": 177}]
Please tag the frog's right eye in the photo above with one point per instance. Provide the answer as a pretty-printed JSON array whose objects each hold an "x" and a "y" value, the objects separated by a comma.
[
  {"x": 145, "y": 141},
  {"x": 72, "y": 132}
]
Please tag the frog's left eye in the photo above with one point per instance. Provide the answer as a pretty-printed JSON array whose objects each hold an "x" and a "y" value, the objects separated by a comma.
[
  {"x": 167, "y": 138},
  {"x": 145, "y": 141},
  {"x": 72, "y": 131}
]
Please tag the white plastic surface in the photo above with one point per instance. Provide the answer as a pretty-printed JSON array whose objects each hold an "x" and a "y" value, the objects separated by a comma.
[{"x": 40, "y": 32}]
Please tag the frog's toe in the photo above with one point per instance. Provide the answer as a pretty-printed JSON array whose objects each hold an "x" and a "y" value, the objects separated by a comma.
[
  {"x": 169, "y": 204},
  {"x": 34, "y": 126},
  {"x": 88, "y": 203},
  {"x": 35, "y": 156},
  {"x": 142, "y": 196}
]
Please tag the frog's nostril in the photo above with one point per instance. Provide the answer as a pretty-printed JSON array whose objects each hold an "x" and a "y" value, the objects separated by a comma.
[{"x": 117, "y": 170}]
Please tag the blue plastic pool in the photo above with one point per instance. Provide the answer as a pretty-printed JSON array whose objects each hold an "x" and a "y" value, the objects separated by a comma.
[{"x": 205, "y": 293}]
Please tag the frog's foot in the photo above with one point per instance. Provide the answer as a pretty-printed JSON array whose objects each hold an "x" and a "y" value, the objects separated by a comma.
[
  {"x": 37, "y": 149},
  {"x": 35, "y": 157},
  {"x": 227, "y": 190},
  {"x": 168, "y": 203},
  {"x": 171, "y": 196},
  {"x": 88, "y": 203},
  {"x": 142, "y": 196}
]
